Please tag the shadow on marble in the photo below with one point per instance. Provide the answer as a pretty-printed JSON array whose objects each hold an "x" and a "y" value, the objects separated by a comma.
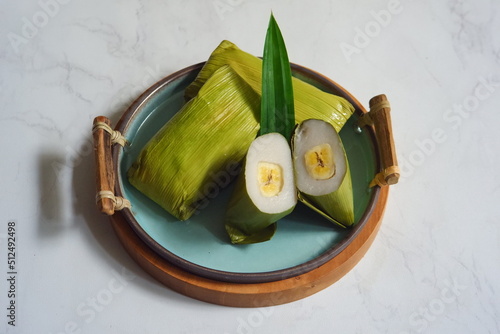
[
  {"x": 51, "y": 215},
  {"x": 109, "y": 249}
]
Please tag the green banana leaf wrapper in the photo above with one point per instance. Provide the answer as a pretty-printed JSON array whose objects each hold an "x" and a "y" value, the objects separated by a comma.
[
  {"x": 338, "y": 206},
  {"x": 244, "y": 222}
]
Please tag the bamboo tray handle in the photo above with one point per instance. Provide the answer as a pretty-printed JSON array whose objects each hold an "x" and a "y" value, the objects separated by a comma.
[
  {"x": 104, "y": 137},
  {"x": 380, "y": 118}
]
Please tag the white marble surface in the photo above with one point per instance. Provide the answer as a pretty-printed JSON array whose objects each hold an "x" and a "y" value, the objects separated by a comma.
[{"x": 434, "y": 266}]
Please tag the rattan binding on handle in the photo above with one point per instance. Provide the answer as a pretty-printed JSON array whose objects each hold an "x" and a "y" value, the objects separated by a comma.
[{"x": 104, "y": 138}]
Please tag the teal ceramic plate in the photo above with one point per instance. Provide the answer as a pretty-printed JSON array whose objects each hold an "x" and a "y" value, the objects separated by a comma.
[{"x": 303, "y": 241}]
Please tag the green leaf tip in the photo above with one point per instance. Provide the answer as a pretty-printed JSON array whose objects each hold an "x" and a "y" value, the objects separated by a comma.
[{"x": 277, "y": 105}]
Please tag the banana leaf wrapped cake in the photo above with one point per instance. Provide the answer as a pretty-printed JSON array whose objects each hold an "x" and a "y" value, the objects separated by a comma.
[
  {"x": 264, "y": 191},
  {"x": 322, "y": 171},
  {"x": 210, "y": 133}
]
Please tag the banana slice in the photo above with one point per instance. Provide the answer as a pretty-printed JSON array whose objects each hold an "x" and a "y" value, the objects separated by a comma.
[
  {"x": 319, "y": 162},
  {"x": 270, "y": 178}
]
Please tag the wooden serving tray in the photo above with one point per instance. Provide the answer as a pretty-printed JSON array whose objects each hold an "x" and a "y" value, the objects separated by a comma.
[{"x": 240, "y": 288}]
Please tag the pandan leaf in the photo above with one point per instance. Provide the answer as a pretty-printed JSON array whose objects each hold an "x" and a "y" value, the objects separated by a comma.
[{"x": 277, "y": 105}]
